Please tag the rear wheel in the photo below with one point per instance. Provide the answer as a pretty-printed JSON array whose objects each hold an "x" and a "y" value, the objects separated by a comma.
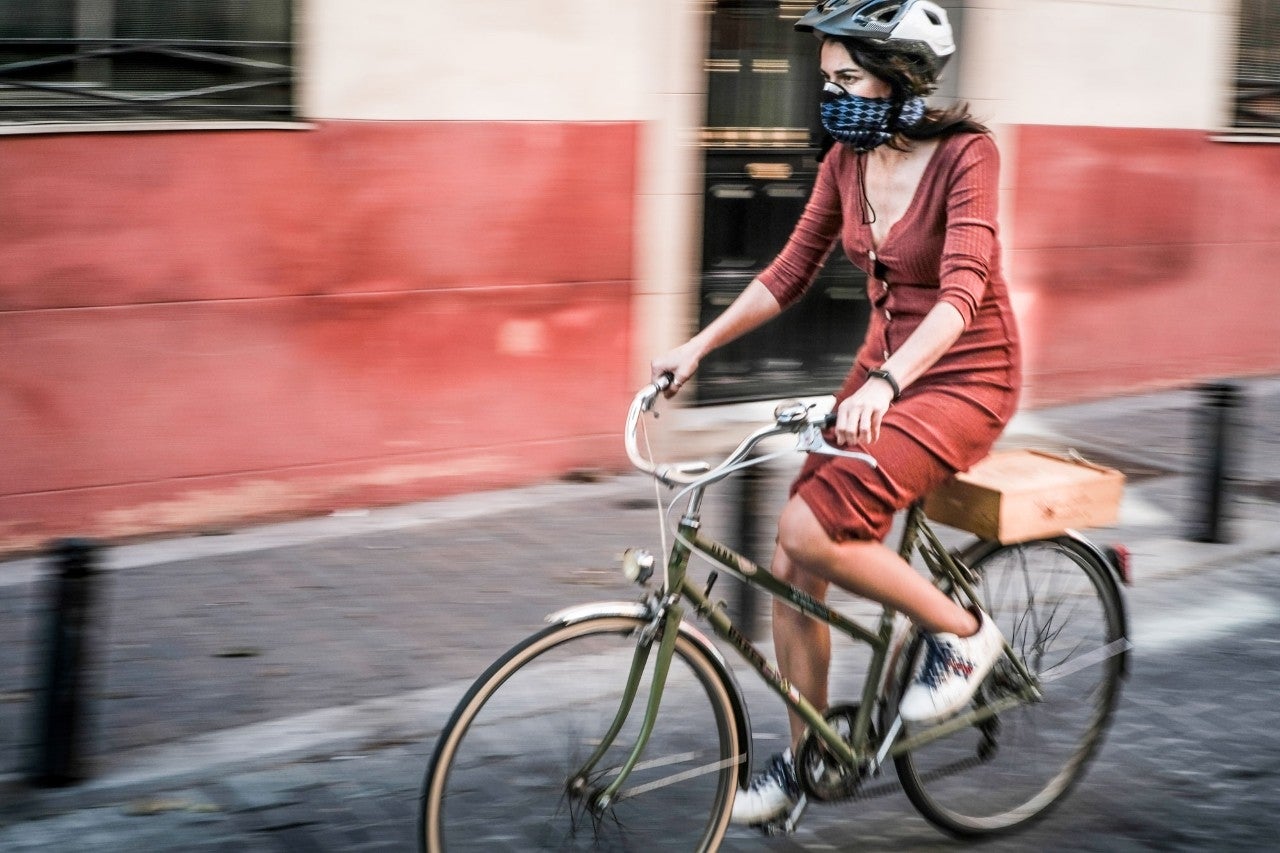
[
  {"x": 505, "y": 774},
  {"x": 1059, "y": 609}
]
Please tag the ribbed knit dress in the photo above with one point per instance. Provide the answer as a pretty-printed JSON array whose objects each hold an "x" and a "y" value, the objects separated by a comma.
[{"x": 945, "y": 248}]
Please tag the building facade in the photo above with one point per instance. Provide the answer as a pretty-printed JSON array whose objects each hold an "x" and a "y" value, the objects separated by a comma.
[{"x": 434, "y": 244}]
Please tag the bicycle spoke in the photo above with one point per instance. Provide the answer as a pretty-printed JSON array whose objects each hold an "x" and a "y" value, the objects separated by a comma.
[
  {"x": 508, "y": 773},
  {"x": 684, "y": 776},
  {"x": 1057, "y": 608},
  {"x": 1093, "y": 658}
]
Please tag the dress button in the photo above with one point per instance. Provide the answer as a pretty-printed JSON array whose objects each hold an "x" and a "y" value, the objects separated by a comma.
[
  {"x": 888, "y": 315},
  {"x": 886, "y": 355}
]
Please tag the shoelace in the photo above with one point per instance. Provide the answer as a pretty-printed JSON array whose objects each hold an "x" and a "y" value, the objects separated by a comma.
[
  {"x": 938, "y": 659},
  {"x": 779, "y": 772}
]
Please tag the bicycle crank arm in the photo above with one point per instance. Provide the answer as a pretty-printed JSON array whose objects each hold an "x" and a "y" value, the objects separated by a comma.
[{"x": 787, "y": 823}]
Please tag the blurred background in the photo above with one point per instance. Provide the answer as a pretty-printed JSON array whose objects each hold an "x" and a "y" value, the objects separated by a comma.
[
  {"x": 269, "y": 260},
  {"x": 265, "y": 258}
]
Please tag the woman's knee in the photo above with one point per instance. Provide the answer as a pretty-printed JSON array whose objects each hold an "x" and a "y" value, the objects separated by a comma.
[
  {"x": 788, "y": 571},
  {"x": 800, "y": 537}
]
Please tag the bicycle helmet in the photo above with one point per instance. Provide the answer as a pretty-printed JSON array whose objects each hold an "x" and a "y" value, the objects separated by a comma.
[{"x": 919, "y": 27}]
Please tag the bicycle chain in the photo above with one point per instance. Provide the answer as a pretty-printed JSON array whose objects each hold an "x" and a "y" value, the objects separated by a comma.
[{"x": 871, "y": 792}]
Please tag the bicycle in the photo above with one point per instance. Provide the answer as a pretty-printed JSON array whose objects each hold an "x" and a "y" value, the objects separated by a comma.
[{"x": 621, "y": 726}]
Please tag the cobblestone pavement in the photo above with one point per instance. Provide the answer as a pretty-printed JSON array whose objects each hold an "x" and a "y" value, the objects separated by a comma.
[
  {"x": 260, "y": 696},
  {"x": 1190, "y": 764}
]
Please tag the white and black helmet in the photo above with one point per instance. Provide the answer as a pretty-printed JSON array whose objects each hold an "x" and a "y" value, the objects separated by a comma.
[{"x": 915, "y": 26}]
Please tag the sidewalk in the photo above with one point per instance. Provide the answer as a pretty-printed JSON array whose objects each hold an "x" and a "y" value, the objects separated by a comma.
[{"x": 234, "y": 659}]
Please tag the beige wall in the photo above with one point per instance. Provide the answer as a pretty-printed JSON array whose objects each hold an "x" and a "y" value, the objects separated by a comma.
[
  {"x": 1108, "y": 63},
  {"x": 550, "y": 61},
  {"x": 461, "y": 60}
]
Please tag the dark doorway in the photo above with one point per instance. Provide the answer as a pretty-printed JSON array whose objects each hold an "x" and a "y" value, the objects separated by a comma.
[{"x": 760, "y": 163}]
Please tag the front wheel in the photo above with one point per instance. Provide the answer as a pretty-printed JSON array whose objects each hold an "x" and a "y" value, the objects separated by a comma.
[
  {"x": 1060, "y": 611},
  {"x": 506, "y": 770}
]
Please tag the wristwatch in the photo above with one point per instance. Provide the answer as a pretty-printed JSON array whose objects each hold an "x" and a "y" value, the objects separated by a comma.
[{"x": 881, "y": 373}]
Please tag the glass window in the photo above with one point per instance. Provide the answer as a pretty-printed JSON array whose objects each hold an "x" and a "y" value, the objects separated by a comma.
[
  {"x": 1257, "y": 101},
  {"x": 760, "y": 76},
  {"x": 129, "y": 60}
]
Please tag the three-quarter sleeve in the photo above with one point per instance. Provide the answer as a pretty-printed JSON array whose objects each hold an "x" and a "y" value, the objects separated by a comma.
[
  {"x": 970, "y": 244},
  {"x": 796, "y": 266}
]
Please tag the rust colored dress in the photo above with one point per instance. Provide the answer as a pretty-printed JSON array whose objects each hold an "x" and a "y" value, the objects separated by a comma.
[{"x": 944, "y": 249}]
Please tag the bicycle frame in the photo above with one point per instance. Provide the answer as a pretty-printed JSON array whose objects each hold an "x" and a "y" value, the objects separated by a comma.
[
  {"x": 917, "y": 537},
  {"x": 668, "y": 612},
  {"x": 651, "y": 696}
]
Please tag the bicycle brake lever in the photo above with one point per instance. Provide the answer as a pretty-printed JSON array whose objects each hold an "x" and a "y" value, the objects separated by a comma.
[{"x": 811, "y": 440}]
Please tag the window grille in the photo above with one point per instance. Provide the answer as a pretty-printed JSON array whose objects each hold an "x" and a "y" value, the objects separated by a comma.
[
  {"x": 140, "y": 60},
  {"x": 1257, "y": 94}
]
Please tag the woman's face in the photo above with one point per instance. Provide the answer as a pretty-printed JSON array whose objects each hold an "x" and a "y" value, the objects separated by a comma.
[{"x": 838, "y": 67}]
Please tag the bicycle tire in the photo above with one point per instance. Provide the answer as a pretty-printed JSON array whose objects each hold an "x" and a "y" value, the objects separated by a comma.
[
  {"x": 499, "y": 777},
  {"x": 1056, "y": 593}
]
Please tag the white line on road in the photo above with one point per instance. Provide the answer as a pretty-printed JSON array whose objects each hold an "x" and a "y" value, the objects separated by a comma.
[
  {"x": 1231, "y": 612},
  {"x": 421, "y": 713}
]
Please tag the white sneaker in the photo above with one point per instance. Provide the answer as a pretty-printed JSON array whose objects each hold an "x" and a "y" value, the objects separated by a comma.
[
  {"x": 950, "y": 671},
  {"x": 772, "y": 794}
]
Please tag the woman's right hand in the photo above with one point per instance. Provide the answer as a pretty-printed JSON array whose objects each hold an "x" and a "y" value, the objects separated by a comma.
[{"x": 680, "y": 362}]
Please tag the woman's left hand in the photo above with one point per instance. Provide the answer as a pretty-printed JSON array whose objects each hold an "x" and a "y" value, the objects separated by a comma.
[{"x": 859, "y": 416}]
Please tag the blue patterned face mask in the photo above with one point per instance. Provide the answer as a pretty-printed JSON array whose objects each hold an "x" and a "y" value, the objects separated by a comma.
[{"x": 867, "y": 123}]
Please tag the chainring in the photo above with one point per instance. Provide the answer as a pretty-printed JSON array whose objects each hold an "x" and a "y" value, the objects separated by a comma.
[{"x": 822, "y": 775}]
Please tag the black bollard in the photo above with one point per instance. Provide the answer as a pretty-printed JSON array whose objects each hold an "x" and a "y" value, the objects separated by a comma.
[
  {"x": 1216, "y": 438},
  {"x": 62, "y": 707}
]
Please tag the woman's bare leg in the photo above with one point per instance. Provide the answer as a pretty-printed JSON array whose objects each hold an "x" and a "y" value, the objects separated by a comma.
[
  {"x": 871, "y": 570},
  {"x": 802, "y": 644},
  {"x": 806, "y": 558}
]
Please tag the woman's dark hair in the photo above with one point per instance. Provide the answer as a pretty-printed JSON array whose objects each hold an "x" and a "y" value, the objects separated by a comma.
[{"x": 910, "y": 73}]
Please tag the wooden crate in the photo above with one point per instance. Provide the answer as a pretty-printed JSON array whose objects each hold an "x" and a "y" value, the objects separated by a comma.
[{"x": 1016, "y": 495}]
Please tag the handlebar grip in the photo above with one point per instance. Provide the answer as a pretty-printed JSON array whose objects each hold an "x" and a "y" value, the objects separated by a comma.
[
  {"x": 664, "y": 381},
  {"x": 829, "y": 420}
]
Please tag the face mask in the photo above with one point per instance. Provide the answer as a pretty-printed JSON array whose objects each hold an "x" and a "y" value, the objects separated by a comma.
[{"x": 867, "y": 123}]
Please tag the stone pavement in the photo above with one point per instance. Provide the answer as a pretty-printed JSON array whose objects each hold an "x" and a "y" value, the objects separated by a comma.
[{"x": 247, "y": 682}]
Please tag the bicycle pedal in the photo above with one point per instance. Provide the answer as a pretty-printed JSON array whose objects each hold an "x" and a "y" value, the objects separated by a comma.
[{"x": 787, "y": 823}]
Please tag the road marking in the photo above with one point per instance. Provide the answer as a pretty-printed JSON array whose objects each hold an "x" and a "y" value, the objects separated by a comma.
[
  {"x": 1231, "y": 612},
  {"x": 419, "y": 714}
]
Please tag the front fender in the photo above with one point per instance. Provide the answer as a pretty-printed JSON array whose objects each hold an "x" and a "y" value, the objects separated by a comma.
[{"x": 638, "y": 610}]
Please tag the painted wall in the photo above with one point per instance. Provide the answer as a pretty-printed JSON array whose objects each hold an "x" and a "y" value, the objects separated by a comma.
[
  {"x": 1138, "y": 241},
  {"x": 197, "y": 328},
  {"x": 493, "y": 222},
  {"x": 1108, "y": 63},
  {"x": 1143, "y": 258},
  {"x": 428, "y": 291}
]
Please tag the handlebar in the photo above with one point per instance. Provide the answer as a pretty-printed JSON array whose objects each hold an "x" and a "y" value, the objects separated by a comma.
[{"x": 790, "y": 417}]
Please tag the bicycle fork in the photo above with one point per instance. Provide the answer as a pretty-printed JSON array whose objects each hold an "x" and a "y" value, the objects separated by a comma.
[{"x": 601, "y": 800}]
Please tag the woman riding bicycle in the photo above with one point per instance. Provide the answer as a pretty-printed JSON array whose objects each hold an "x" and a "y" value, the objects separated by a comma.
[{"x": 910, "y": 192}]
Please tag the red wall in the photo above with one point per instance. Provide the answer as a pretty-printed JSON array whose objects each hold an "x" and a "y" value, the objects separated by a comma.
[
  {"x": 1143, "y": 258},
  {"x": 199, "y": 328}
]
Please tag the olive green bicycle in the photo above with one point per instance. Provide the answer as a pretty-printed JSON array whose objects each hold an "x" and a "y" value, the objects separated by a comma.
[{"x": 620, "y": 726}]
